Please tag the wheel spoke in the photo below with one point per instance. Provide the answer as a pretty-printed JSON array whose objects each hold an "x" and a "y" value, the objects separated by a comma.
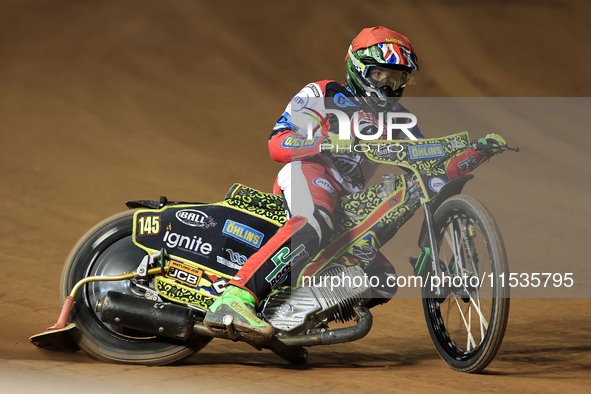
[
  {"x": 483, "y": 320},
  {"x": 448, "y": 238},
  {"x": 469, "y": 320},
  {"x": 470, "y": 338},
  {"x": 482, "y": 325}
]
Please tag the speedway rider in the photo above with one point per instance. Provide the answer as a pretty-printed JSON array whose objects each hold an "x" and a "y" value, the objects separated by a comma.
[{"x": 323, "y": 168}]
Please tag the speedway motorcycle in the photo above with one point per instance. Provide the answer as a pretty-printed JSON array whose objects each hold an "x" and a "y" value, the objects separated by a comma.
[{"x": 135, "y": 289}]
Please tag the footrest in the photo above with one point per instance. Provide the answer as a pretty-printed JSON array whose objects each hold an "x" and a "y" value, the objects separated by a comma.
[{"x": 228, "y": 321}]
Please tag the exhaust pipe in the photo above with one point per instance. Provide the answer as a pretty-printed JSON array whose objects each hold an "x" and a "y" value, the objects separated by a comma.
[{"x": 157, "y": 318}]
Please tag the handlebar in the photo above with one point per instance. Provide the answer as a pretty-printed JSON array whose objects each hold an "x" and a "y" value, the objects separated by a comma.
[{"x": 489, "y": 146}]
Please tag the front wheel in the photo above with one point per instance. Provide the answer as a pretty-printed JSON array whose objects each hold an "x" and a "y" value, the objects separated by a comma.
[
  {"x": 467, "y": 323},
  {"x": 108, "y": 249}
]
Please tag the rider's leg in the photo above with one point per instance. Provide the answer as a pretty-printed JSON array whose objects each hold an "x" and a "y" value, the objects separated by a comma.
[{"x": 311, "y": 196}]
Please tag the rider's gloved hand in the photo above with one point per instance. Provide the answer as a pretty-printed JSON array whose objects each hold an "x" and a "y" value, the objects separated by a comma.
[
  {"x": 334, "y": 144},
  {"x": 492, "y": 142}
]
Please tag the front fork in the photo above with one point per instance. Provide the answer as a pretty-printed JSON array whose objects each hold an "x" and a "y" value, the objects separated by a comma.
[{"x": 430, "y": 253}]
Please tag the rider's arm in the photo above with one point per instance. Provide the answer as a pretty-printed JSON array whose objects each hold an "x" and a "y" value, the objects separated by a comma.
[
  {"x": 288, "y": 140},
  {"x": 286, "y": 146}
]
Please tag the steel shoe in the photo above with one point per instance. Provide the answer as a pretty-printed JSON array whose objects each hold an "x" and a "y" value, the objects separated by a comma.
[{"x": 240, "y": 305}]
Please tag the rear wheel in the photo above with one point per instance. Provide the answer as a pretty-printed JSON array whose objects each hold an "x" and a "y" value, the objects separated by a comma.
[
  {"x": 108, "y": 249},
  {"x": 467, "y": 323}
]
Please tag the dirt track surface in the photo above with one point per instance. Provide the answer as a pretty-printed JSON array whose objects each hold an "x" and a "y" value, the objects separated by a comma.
[{"x": 104, "y": 102}]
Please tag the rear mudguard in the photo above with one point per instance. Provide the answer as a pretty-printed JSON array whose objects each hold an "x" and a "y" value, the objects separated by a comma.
[
  {"x": 450, "y": 189},
  {"x": 150, "y": 204}
]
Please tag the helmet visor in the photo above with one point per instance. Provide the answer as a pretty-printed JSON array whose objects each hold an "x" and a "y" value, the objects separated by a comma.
[{"x": 382, "y": 77}]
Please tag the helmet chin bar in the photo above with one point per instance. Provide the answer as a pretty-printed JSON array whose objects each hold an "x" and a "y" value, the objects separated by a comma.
[
  {"x": 376, "y": 99},
  {"x": 380, "y": 100}
]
